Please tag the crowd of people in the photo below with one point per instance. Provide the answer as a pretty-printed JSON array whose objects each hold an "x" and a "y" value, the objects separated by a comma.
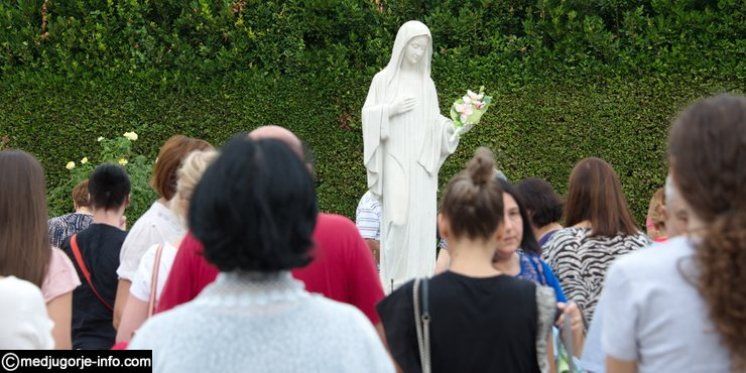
[{"x": 234, "y": 268}]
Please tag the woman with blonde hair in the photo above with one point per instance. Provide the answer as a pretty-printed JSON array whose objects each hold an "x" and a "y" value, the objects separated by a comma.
[
  {"x": 655, "y": 223},
  {"x": 155, "y": 265}
]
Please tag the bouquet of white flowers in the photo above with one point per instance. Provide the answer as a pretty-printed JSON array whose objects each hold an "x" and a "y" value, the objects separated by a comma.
[{"x": 468, "y": 110}]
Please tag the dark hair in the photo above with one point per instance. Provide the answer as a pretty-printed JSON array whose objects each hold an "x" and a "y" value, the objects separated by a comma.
[
  {"x": 80, "y": 194},
  {"x": 24, "y": 244},
  {"x": 472, "y": 201},
  {"x": 170, "y": 156},
  {"x": 707, "y": 151},
  {"x": 109, "y": 187},
  {"x": 255, "y": 207},
  {"x": 595, "y": 194},
  {"x": 543, "y": 205},
  {"x": 528, "y": 241}
]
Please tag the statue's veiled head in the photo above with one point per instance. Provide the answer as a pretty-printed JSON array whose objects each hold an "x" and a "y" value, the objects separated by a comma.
[{"x": 413, "y": 46}]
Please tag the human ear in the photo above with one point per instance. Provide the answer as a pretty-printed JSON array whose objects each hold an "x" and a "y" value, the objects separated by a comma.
[
  {"x": 500, "y": 232},
  {"x": 443, "y": 226}
]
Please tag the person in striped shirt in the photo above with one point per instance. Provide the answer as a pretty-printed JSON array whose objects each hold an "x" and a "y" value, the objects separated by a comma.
[{"x": 368, "y": 221}]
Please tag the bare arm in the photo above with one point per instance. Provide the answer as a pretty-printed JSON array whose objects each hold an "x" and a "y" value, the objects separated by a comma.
[
  {"x": 572, "y": 311},
  {"x": 614, "y": 365},
  {"x": 374, "y": 246},
  {"x": 123, "y": 291},
  {"x": 60, "y": 310},
  {"x": 134, "y": 315}
]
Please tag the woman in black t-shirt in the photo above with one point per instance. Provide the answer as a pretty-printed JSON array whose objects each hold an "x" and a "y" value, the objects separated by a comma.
[
  {"x": 481, "y": 319},
  {"x": 95, "y": 253}
]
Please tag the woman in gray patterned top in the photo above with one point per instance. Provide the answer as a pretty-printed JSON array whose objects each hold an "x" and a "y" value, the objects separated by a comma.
[
  {"x": 62, "y": 227},
  {"x": 600, "y": 229},
  {"x": 255, "y": 210}
]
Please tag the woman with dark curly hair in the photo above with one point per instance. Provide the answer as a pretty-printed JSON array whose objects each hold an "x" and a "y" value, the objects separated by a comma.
[
  {"x": 255, "y": 212},
  {"x": 679, "y": 307}
]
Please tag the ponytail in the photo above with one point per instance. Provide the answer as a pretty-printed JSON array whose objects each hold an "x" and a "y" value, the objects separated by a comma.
[{"x": 721, "y": 260}]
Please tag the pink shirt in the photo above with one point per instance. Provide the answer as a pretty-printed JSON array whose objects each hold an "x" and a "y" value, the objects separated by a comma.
[{"x": 61, "y": 277}]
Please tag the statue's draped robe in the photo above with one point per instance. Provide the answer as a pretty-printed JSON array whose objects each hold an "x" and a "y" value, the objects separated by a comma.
[{"x": 402, "y": 156}]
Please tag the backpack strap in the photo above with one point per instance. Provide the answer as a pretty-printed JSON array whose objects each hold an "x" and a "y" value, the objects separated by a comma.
[{"x": 86, "y": 273}]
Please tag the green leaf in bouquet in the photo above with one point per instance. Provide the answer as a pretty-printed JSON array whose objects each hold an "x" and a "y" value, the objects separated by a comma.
[
  {"x": 455, "y": 116},
  {"x": 476, "y": 116}
]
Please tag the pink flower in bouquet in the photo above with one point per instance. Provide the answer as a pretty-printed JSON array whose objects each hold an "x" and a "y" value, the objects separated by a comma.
[
  {"x": 474, "y": 96},
  {"x": 464, "y": 110}
]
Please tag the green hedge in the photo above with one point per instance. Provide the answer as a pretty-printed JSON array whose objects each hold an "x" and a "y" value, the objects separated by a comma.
[{"x": 571, "y": 78}]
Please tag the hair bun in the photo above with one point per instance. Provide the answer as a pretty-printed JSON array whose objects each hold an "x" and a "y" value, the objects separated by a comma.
[{"x": 481, "y": 168}]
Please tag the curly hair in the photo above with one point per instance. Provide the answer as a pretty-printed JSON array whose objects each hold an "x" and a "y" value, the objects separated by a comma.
[{"x": 707, "y": 152}]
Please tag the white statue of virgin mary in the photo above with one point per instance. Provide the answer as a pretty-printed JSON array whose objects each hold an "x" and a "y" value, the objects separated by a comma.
[{"x": 406, "y": 140}]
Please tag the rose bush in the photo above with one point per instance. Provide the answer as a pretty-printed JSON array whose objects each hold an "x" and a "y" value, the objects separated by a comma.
[{"x": 117, "y": 151}]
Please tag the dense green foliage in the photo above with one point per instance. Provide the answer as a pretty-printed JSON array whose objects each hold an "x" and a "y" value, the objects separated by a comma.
[
  {"x": 570, "y": 78},
  {"x": 114, "y": 151}
]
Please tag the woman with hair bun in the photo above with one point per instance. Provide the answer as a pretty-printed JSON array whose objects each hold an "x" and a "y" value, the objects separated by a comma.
[
  {"x": 482, "y": 319},
  {"x": 679, "y": 307}
]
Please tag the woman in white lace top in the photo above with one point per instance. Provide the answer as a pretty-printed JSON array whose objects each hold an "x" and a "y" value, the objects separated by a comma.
[{"x": 254, "y": 210}]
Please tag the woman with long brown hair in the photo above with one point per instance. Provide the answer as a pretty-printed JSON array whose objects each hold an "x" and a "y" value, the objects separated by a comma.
[
  {"x": 600, "y": 229},
  {"x": 25, "y": 251},
  {"x": 679, "y": 307}
]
